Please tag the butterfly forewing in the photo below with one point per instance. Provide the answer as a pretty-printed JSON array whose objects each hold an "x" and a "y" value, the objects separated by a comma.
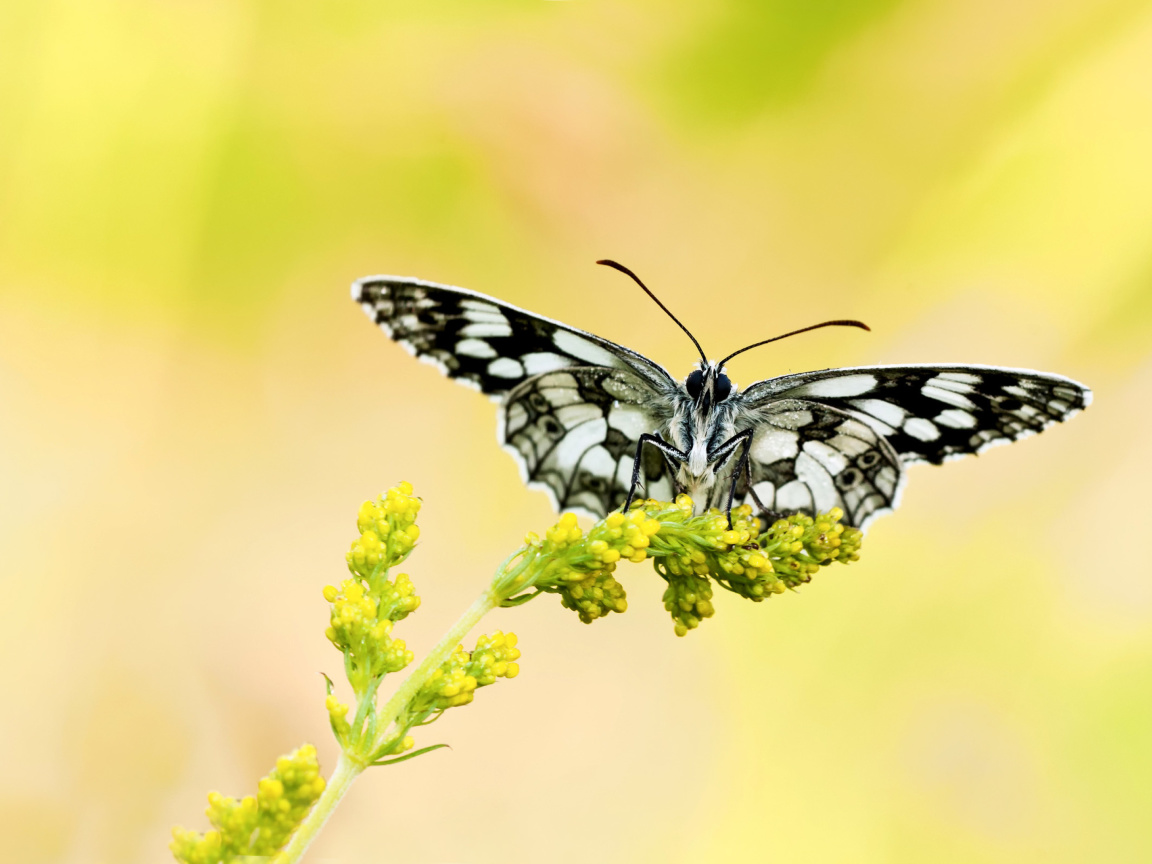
[
  {"x": 483, "y": 342},
  {"x": 936, "y": 413}
]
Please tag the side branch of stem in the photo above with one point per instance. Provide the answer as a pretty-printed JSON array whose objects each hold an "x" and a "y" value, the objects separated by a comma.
[{"x": 351, "y": 764}]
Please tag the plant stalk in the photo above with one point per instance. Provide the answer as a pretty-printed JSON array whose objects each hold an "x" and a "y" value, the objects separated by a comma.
[
  {"x": 351, "y": 764},
  {"x": 339, "y": 783}
]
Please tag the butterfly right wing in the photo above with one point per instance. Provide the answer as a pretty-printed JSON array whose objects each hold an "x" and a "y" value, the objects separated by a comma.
[
  {"x": 573, "y": 404},
  {"x": 486, "y": 343},
  {"x": 574, "y": 433}
]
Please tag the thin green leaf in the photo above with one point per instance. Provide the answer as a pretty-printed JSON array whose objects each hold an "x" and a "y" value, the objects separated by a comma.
[
  {"x": 407, "y": 756},
  {"x": 520, "y": 599}
]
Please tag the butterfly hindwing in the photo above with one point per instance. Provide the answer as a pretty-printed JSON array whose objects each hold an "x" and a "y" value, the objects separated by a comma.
[
  {"x": 574, "y": 433},
  {"x": 486, "y": 343},
  {"x": 808, "y": 458},
  {"x": 935, "y": 413}
]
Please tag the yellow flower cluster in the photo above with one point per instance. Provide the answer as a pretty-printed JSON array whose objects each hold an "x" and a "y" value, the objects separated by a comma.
[
  {"x": 456, "y": 681},
  {"x": 690, "y": 552},
  {"x": 594, "y": 596},
  {"x": 578, "y": 566},
  {"x": 689, "y": 600},
  {"x": 338, "y": 717},
  {"x": 365, "y": 606},
  {"x": 255, "y": 825},
  {"x": 362, "y": 634},
  {"x": 800, "y": 545},
  {"x": 364, "y": 609},
  {"x": 707, "y": 546},
  {"x": 388, "y": 532}
]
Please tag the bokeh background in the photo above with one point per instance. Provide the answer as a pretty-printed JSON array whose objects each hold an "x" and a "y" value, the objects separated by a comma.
[{"x": 191, "y": 411}]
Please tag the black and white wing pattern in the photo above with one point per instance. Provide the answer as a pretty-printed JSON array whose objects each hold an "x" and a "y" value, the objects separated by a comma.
[
  {"x": 936, "y": 413},
  {"x": 485, "y": 343},
  {"x": 843, "y": 437},
  {"x": 574, "y": 432},
  {"x": 574, "y": 408},
  {"x": 808, "y": 458},
  {"x": 573, "y": 404}
]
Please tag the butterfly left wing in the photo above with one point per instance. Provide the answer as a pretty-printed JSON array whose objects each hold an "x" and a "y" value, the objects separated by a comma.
[
  {"x": 573, "y": 432},
  {"x": 936, "y": 413},
  {"x": 805, "y": 457},
  {"x": 485, "y": 343},
  {"x": 573, "y": 404}
]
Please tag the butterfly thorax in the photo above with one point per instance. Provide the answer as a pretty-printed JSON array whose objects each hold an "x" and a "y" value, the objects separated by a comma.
[{"x": 702, "y": 421}]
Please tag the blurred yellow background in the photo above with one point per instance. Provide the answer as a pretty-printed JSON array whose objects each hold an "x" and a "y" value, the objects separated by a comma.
[{"x": 193, "y": 409}]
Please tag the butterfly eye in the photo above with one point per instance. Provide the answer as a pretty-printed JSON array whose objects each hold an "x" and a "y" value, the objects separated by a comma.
[
  {"x": 723, "y": 388},
  {"x": 694, "y": 383}
]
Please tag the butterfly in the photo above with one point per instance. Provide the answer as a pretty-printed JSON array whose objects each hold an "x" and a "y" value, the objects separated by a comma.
[{"x": 594, "y": 424}]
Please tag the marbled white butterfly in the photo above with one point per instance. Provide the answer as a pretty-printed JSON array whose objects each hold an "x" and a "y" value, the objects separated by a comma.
[{"x": 592, "y": 423}]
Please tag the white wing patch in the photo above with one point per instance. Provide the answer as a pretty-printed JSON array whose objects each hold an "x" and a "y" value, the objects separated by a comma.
[
  {"x": 539, "y": 362},
  {"x": 955, "y": 418},
  {"x": 839, "y": 388},
  {"x": 486, "y": 330},
  {"x": 921, "y": 429},
  {"x": 475, "y": 348},
  {"x": 506, "y": 367},
  {"x": 570, "y": 343}
]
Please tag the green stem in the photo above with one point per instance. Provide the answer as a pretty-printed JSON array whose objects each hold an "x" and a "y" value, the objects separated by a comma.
[
  {"x": 339, "y": 783},
  {"x": 349, "y": 765},
  {"x": 367, "y": 700},
  {"x": 391, "y": 712}
]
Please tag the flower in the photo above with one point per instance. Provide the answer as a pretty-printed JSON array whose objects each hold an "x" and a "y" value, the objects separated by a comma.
[
  {"x": 458, "y": 678},
  {"x": 259, "y": 824},
  {"x": 365, "y": 607},
  {"x": 364, "y": 636},
  {"x": 388, "y": 532},
  {"x": 691, "y": 553}
]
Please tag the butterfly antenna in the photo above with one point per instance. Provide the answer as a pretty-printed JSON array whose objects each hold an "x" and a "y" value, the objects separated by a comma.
[
  {"x": 608, "y": 263},
  {"x": 838, "y": 323}
]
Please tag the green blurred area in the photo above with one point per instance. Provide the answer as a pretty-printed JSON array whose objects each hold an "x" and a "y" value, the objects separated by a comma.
[
  {"x": 191, "y": 410},
  {"x": 753, "y": 57}
]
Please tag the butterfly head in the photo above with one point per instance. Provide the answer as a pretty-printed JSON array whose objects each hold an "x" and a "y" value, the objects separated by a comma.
[{"x": 708, "y": 385}]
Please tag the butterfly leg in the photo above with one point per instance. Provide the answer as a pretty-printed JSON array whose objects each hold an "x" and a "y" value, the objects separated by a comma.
[
  {"x": 736, "y": 442},
  {"x": 768, "y": 516},
  {"x": 670, "y": 453}
]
